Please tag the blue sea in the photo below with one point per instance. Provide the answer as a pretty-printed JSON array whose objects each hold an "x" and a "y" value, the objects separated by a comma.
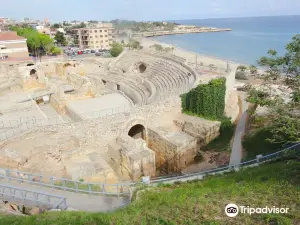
[{"x": 250, "y": 39}]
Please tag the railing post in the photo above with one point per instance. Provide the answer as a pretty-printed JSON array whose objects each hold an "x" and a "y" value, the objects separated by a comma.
[
  {"x": 103, "y": 188},
  {"x": 258, "y": 157},
  {"x": 76, "y": 186},
  {"x": 35, "y": 196},
  {"x": 64, "y": 184},
  {"x": 48, "y": 200},
  {"x": 118, "y": 191},
  {"x": 65, "y": 202},
  {"x": 7, "y": 173},
  {"x": 51, "y": 182},
  {"x": 90, "y": 188},
  {"x": 18, "y": 175},
  {"x": 29, "y": 178}
]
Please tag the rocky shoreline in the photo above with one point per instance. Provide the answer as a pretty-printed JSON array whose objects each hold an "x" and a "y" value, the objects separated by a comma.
[{"x": 174, "y": 32}]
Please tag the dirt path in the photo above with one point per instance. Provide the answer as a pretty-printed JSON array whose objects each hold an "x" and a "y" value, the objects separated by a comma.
[{"x": 236, "y": 151}]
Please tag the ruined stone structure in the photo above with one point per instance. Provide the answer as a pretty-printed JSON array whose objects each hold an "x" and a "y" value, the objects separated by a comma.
[{"x": 121, "y": 118}]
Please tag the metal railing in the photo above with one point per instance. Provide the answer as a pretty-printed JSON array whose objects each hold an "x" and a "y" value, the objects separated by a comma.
[
  {"x": 206, "y": 68},
  {"x": 259, "y": 159},
  {"x": 120, "y": 189},
  {"x": 125, "y": 188},
  {"x": 28, "y": 197}
]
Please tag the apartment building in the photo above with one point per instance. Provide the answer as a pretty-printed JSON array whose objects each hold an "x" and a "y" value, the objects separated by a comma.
[
  {"x": 12, "y": 45},
  {"x": 98, "y": 37}
]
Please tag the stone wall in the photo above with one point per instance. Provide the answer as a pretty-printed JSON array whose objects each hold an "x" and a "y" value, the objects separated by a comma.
[
  {"x": 136, "y": 158},
  {"x": 203, "y": 130},
  {"x": 174, "y": 150}
]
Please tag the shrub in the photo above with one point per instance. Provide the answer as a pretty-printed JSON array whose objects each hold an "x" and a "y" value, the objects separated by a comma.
[
  {"x": 242, "y": 68},
  {"x": 55, "y": 50},
  {"x": 226, "y": 125},
  {"x": 116, "y": 49},
  {"x": 253, "y": 69},
  {"x": 241, "y": 75}
]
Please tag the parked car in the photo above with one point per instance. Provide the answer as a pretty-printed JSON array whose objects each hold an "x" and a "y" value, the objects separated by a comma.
[
  {"x": 79, "y": 52},
  {"x": 93, "y": 51},
  {"x": 99, "y": 54}
]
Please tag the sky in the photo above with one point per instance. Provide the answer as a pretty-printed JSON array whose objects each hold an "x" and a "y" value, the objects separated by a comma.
[{"x": 144, "y": 10}]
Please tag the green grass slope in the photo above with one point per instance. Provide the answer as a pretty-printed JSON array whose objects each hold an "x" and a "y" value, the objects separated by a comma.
[{"x": 199, "y": 202}]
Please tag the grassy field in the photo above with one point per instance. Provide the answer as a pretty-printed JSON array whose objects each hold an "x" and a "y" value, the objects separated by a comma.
[{"x": 199, "y": 202}]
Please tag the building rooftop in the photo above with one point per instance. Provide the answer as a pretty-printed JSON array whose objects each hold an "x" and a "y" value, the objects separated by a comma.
[{"x": 10, "y": 35}]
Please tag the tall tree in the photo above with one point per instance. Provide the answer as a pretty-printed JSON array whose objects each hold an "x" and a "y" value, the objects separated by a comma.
[
  {"x": 56, "y": 25},
  {"x": 285, "y": 114},
  {"x": 116, "y": 49},
  {"x": 60, "y": 38}
]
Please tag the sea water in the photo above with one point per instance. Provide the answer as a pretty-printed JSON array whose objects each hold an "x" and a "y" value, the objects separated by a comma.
[{"x": 249, "y": 39}]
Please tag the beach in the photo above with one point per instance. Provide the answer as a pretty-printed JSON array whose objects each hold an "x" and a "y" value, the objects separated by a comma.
[{"x": 189, "y": 55}]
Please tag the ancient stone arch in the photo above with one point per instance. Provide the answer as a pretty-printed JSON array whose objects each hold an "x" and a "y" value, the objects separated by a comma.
[
  {"x": 132, "y": 123},
  {"x": 33, "y": 73},
  {"x": 142, "y": 67},
  {"x": 137, "y": 131}
]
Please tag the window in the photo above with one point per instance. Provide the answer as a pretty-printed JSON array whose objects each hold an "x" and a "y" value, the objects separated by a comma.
[
  {"x": 105, "y": 35},
  {"x": 106, "y": 40},
  {"x": 100, "y": 31},
  {"x": 105, "y": 31},
  {"x": 102, "y": 41},
  {"x": 96, "y": 41},
  {"x": 96, "y": 31},
  {"x": 96, "y": 36},
  {"x": 91, "y": 31},
  {"x": 101, "y": 35}
]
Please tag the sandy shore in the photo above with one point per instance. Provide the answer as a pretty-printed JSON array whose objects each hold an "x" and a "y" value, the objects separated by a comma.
[{"x": 191, "y": 56}]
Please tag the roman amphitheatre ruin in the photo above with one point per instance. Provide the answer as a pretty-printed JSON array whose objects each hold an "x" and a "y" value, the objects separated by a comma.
[{"x": 107, "y": 120}]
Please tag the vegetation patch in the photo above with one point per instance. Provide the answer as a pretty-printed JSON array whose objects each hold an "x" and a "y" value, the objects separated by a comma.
[
  {"x": 207, "y": 100},
  {"x": 256, "y": 143},
  {"x": 223, "y": 141},
  {"x": 116, "y": 49},
  {"x": 199, "y": 202}
]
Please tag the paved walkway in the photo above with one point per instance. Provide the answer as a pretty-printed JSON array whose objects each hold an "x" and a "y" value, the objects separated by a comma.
[
  {"x": 236, "y": 151},
  {"x": 81, "y": 202}
]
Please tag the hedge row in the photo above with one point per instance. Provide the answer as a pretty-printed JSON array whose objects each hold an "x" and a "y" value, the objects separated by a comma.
[{"x": 207, "y": 100}]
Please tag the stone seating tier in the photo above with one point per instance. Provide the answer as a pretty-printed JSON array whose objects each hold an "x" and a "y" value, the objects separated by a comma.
[
  {"x": 168, "y": 74},
  {"x": 171, "y": 67},
  {"x": 135, "y": 88}
]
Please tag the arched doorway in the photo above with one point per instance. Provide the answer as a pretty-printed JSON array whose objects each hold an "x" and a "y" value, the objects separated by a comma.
[
  {"x": 142, "y": 68},
  {"x": 137, "y": 131},
  {"x": 33, "y": 74}
]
